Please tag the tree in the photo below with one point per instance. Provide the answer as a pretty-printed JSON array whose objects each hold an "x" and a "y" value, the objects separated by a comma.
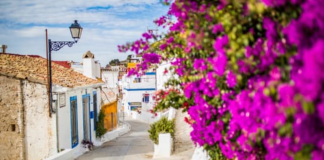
[
  {"x": 114, "y": 62},
  {"x": 129, "y": 57}
]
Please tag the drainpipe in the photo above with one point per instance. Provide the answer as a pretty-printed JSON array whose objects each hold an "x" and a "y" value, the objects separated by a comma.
[
  {"x": 57, "y": 127},
  {"x": 48, "y": 77},
  {"x": 22, "y": 117}
]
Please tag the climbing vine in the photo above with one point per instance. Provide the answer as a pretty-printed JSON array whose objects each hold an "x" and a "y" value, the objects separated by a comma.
[{"x": 101, "y": 130}]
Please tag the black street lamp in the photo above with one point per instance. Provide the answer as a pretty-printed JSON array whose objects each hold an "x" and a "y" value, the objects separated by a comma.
[{"x": 76, "y": 31}]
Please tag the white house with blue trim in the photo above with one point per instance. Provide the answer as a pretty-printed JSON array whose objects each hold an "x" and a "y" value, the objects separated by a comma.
[
  {"x": 78, "y": 109},
  {"x": 138, "y": 95},
  {"x": 77, "y": 112}
]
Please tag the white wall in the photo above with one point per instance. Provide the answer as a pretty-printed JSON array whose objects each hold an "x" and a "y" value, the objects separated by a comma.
[
  {"x": 64, "y": 119},
  {"x": 88, "y": 67},
  {"x": 40, "y": 129},
  {"x": 137, "y": 96},
  {"x": 91, "y": 68},
  {"x": 161, "y": 78},
  {"x": 97, "y": 69},
  {"x": 147, "y": 81},
  {"x": 134, "y": 91},
  {"x": 111, "y": 78}
]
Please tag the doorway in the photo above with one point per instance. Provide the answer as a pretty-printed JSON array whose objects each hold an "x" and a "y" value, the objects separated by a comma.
[{"x": 86, "y": 117}]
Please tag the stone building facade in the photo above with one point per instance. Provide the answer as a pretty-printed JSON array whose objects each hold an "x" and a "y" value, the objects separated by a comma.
[
  {"x": 11, "y": 119},
  {"x": 27, "y": 132}
]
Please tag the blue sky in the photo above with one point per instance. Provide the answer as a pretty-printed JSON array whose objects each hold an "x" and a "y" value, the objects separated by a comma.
[{"x": 106, "y": 24}]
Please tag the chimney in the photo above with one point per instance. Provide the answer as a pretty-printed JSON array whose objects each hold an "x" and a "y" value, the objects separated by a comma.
[
  {"x": 4, "y": 47},
  {"x": 89, "y": 65}
]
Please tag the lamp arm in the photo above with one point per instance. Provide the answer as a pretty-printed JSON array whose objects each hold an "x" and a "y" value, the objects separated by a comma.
[{"x": 57, "y": 45}]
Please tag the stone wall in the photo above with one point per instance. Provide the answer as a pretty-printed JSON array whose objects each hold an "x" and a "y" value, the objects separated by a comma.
[
  {"x": 11, "y": 128},
  {"x": 39, "y": 127},
  {"x": 182, "y": 139}
]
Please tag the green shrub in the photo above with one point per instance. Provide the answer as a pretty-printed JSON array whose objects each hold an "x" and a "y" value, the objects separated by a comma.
[
  {"x": 161, "y": 126},
  {"x": 101, "y": 130}
]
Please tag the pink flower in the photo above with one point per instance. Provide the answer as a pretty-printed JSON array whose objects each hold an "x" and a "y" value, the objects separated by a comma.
[{"x": 231, "y": 79}]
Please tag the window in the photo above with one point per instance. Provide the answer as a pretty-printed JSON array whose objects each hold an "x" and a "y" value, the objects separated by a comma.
[
  {"x": 146, "y": 98},
  {"x": 137, "y": 80},
  {"x": 13, "y": 127},
  {"x": 95, "y": 112},
  {"x": 74, "y": 121}
]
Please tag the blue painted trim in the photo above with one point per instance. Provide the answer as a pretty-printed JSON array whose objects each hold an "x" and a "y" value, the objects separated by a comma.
[
  {"x": 91, "y": 115},
  {"x": 140, "y": 89},
  {"x": 84, "y": 96},
  {"x": 150, "y": 73},
  {"x": 95, "y": 118},
  {"x": 76, "y": 102}
]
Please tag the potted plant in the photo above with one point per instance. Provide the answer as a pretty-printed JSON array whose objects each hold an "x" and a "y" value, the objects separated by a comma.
[
  {"x": 161, "y": 128},
  {"x": 87, "y": 144}
]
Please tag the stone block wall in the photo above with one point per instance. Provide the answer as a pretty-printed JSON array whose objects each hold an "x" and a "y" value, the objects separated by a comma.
[
  {"x": 11, "y": 120},
  {"x": 39, "y": 127},
  {"x": 182, "y": 139}
]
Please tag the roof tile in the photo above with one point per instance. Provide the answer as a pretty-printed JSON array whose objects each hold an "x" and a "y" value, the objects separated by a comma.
[{"x": 34, "y": 68}]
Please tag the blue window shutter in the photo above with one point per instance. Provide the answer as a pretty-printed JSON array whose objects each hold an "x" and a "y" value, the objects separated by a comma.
[
  {"x": 147, "y": 98},
  {"x": 74, "y": 121}
]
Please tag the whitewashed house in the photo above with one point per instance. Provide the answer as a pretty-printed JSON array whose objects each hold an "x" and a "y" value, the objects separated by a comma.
[
  {"x": 29, "y": 129},
  {"x": 163, "y": 74},
  {"x": 80, "y": 105},
  {"x": 110, "y": 77},
  {"x": 138, "y": 95}
]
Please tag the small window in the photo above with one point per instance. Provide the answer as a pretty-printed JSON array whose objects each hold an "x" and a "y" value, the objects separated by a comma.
[
  {"x": 13, "y": 127},
  {"x": 137, "y": 80},
  {"x": 146, "y": 98}
]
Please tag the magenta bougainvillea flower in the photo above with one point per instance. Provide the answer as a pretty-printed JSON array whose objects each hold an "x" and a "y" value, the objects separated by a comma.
[{"x": 251, "y": 74}]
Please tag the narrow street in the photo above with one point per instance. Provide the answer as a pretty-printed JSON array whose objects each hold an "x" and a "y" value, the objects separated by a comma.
[{"x": 134, "y": 145}]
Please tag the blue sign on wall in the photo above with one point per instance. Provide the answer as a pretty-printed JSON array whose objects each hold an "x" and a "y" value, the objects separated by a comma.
[{"x": 91, "y": 115}]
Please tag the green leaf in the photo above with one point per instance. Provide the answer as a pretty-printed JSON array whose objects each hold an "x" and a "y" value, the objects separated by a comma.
[{"x": 308, "y": 107}]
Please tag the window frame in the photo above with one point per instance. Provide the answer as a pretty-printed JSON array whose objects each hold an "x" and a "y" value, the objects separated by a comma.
[
  {"x": 146, "y": 98},
  {"x": 72, "y": 99},
  {"x": 95, "y": 110},
  {"x": 137, "y": 80}
]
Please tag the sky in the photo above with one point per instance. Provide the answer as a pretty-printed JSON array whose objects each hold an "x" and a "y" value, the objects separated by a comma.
[{"x": 105, "y": 23}]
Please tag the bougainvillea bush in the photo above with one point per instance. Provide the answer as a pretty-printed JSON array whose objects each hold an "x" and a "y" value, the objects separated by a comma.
[{"x": 251, "y": 74}]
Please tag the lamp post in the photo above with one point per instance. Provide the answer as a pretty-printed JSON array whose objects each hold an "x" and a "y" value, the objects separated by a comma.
[{"x": 76, "y": 31}]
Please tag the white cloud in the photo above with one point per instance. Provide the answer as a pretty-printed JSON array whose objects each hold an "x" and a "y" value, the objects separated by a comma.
[
  {"x": 56, "y": 12},
  {"x": 23, "y": 25}
]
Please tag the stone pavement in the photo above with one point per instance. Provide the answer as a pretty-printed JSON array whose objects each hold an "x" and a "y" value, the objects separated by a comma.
[
  {"x": 134, "y": 145},
  {"x": 182, "y": 139}
]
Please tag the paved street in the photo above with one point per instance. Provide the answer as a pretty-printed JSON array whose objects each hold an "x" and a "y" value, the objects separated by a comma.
[
  {"x": 134, "y": 145},
  {"x": 131, "y": 146}
]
